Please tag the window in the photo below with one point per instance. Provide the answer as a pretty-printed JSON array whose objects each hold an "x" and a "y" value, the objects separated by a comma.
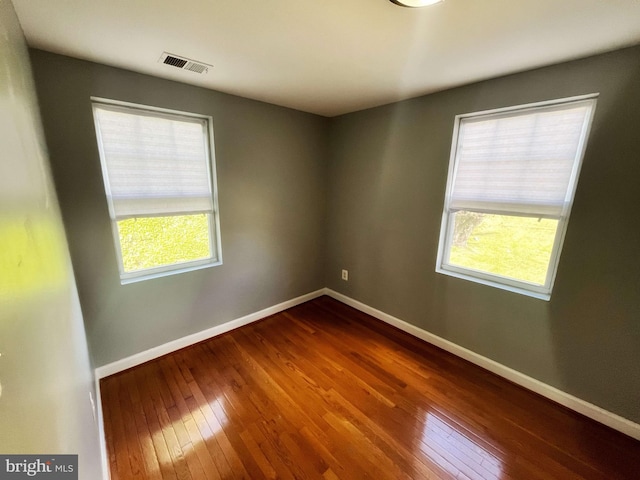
[
  {"x": 159, "y": 178},
  {"x": 512, "y": 178}
]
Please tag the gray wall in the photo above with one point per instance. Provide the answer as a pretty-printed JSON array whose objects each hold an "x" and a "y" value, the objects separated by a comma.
[
  {"x": 387, "y": 179},
  {"x": 271, "y": 166},
  {"x": 382, "y": 175},
  {"x": 45, "y": 374}
]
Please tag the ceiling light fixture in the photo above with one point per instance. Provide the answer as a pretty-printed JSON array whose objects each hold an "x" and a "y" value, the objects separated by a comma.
[{"x": 415, "y": 3}]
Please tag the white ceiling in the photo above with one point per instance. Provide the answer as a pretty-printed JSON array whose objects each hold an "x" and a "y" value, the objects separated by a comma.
[{"x": 330, "y": 56}]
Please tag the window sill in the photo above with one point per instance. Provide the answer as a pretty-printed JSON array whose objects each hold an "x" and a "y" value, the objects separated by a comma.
[
  {"x": 125, "y": 280},
  {"x": 496, "y": 284}
]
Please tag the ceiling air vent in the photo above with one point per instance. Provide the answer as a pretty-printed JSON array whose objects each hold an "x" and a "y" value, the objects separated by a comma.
[{"x": 183, "y": 63}]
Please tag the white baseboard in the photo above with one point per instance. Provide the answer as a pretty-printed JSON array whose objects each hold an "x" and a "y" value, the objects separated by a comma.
[
  {"x": 587, "y": 409},
  {"x": 104, "y": 458},
  {"x": 172, "y": 346},
  {"x": 594, "y": 412}
]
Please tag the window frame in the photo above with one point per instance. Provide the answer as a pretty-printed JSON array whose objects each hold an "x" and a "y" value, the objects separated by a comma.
[
  {"x": 523, "y": 287},
  {"x": 213, "y": 216}
]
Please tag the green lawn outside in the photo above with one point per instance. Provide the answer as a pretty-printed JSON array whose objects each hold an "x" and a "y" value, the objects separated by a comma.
[
  {"x": 516, "y": 247},
  {"x": 156, "y": 241}
]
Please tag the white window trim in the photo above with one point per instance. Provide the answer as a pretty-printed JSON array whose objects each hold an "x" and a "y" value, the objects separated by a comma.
[
  {"x": 505, "y": 283},
  {"x": 215, "y": 240}
]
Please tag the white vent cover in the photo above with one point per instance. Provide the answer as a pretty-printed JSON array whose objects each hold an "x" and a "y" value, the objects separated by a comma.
[{"x": 183, "y": 63}]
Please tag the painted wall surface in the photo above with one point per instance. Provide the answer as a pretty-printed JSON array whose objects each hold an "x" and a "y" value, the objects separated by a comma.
[
  {"x": 271, "y": 169},
  {"x": 45, "y": 374},
  {"x": 291, "y": 220},
  {"x": 387, "y": 179}
]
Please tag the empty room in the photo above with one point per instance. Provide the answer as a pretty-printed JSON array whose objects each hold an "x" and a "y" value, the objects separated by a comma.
[{"x": 356, "y": 239}]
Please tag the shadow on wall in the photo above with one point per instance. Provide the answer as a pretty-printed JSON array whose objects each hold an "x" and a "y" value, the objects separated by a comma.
[
  {"x": 44, "y": 368},
  {"x": 389, "y": 179},
  {"x": 388, "y": 176},
  {"x": 596, "y": 303}
]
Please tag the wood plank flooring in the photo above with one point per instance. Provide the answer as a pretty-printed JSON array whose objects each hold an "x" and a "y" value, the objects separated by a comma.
[{"x": 322, "y": 391}]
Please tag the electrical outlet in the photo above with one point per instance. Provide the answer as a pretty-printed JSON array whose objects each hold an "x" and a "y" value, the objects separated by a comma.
[{"x": 345, "y": 275}]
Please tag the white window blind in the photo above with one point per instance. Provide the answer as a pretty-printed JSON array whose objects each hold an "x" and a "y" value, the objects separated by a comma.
[
  {"x": 155, "y": 163},
  {"x": 520, "y": 162},
  {"x": 158, "y": 168},
  {"x": 508, "y": 167}
]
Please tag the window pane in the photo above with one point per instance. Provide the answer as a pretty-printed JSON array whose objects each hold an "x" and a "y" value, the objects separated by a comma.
[
  {"x": 510, "y": 246},
  {"x": 148, "y": 242}
]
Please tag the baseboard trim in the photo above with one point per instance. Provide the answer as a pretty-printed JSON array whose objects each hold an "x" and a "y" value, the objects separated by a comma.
[
  {"x": 172, "y": 346},
  {"x": 587, "y": 409},
  {"x": 104, "y": 459}
]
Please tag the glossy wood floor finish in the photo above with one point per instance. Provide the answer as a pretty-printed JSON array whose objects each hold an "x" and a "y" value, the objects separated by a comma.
[{"x": 322, "y": 391}]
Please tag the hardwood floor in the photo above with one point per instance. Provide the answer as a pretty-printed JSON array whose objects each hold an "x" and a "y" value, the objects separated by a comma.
[{"x": 324, "y": 391}]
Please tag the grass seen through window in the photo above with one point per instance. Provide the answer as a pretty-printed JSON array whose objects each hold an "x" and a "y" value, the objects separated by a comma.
[
  {"x": 150, "y": 242},
  {"x": 514, "y": 247}
]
